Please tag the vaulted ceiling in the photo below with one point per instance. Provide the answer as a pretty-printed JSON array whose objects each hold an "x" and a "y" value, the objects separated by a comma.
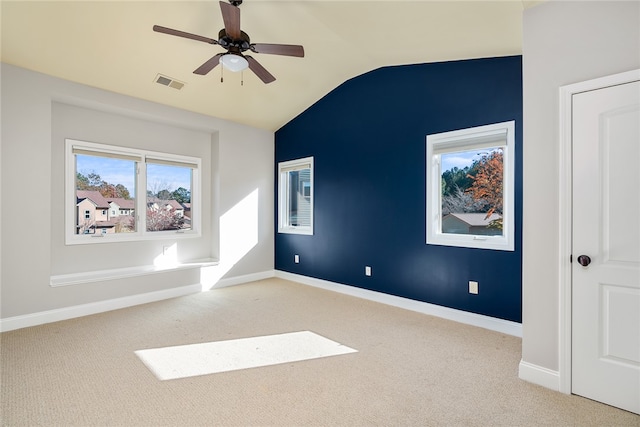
[{"x": 111, "y": 45}]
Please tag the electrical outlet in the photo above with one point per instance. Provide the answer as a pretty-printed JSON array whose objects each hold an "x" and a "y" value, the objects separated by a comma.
[
  {"x": 296, "y": 259},
  {"x": 367, "y": 271},
  {"x": 165, "y": 250},
  {"x": 473, "y": 287}
]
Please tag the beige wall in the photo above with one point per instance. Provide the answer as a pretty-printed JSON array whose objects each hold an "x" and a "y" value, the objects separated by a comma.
[{"x": 564, "y": 42}]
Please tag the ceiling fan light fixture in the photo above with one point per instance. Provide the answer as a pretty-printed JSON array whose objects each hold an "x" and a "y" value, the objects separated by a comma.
[{"x": 233, "y": 62}]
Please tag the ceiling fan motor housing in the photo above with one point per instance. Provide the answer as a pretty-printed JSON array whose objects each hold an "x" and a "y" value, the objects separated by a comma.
[{"x": 234, "y": 45}]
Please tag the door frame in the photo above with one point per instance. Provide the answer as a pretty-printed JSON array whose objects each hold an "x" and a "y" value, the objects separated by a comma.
[{"x": 566, "y": 212}]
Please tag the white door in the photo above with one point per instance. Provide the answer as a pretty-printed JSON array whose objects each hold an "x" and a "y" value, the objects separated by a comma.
[{"x": 606, "y": 246}]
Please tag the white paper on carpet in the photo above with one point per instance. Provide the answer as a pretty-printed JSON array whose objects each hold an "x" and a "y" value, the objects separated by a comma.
[{"x": 191, "y": 360}]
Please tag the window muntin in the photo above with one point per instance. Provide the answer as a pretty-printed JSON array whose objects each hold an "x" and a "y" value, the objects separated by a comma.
[
  {"x": 295, "y": 196},
  {"x": 102, "y": 183},
  {"x": 470, "y": 182}
]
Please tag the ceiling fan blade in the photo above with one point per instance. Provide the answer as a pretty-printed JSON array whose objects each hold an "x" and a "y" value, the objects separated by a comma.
[
  {"x": 259, "y": 70},
  {"x": 278, "y": 49},
  {"x": 179, "y": 33},
  {"x": 209, "y": 65},
  {"x": 231, "y": 18}
]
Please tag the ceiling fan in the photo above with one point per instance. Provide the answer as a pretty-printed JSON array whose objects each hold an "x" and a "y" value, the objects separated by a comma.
[{"x": 236, "y": 42}]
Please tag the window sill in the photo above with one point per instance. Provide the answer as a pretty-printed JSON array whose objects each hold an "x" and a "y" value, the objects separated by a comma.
[
  {"x": 296, "y": 230},
  {"x": 121, "y": 273},
  {"x": 471, "y": 241},
  {"x": 80, "y": 239}
]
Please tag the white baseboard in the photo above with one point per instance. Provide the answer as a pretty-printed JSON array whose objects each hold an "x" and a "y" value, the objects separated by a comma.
[
  {"x": 491, "y": 323},
  {"x": 34, "y": 319},
  {"x": 486, "y": 322},
  {"x": 239, "y": 280},
  {"x": 24, "y": 321},
  {"x": 539, "y": 375}
]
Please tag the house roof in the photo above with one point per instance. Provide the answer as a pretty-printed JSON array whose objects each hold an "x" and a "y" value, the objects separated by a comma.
[
  {"x": 105, "y": 224},
  {"x": 173, "y": 203},
  {"x": 475, "y": 219},
  {"x": 94, "y": 196},
  {"x": 341, "y": 39},
  {"x": 123, "y": 203}
]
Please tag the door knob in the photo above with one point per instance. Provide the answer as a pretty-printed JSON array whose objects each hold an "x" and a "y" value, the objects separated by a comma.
[{"x": 584, "y": 260}]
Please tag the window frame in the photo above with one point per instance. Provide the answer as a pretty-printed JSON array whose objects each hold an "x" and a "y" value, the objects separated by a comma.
[
  {"x": 283, "y": 196},
  {"x": 139, "y": 156},
  {"x": 493, "y": 135}
]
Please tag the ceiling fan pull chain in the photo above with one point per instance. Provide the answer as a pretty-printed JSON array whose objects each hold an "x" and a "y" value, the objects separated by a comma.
[
  {"x": 221, "y": 74},
  {"x": 241, "y": 78}
]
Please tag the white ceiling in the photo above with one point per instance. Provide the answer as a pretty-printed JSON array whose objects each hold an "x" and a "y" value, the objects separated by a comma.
[{"x": 111, "y": 45}]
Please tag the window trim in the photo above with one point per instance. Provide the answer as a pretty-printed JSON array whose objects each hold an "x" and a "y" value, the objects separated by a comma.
[
  {"x": 283, "y": 220},
  {"x": 73, "y": 147},
  {"x": 462, "y": 140}
]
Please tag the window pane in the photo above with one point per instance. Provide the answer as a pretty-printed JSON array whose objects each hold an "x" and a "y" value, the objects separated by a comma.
[
  {"x": 299, "y": 203},
  {"x": 168, "y": 197},
  {"x": 105, "y": 195},
  {"x": 472, "y": 191}
]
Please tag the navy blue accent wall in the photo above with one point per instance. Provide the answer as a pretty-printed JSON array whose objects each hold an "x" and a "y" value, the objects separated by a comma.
[{"x": 368, "y": 139}]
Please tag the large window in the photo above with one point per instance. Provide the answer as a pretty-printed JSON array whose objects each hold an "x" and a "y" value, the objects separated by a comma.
[
  {"x": 295, "y": 196},
  {"x": 470, "y": 187},
  {"x": 118, "y": 193}
]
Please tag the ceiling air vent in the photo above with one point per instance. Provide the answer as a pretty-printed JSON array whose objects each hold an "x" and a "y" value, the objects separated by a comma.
[{"x": 168, "y": 81}]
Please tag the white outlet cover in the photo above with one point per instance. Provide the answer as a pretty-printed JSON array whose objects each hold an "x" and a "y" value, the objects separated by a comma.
[
  {"x": 473, "y": 287},
  {"x": 296, "y": 259},
  {"x": 367, "y": 271}
]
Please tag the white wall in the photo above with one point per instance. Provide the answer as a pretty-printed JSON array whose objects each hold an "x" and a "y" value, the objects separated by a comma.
[
  {"x": 39, "y": 111},
  {"x": 563, "y": 43}
]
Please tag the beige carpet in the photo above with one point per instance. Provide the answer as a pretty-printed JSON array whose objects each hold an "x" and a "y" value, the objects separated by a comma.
[{"x": 410, "y": 369}]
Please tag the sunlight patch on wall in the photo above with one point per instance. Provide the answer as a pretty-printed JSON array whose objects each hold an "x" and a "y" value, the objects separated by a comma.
[
  {"x": 238, "y": 235},
  {"x": 191, "y": 360}
]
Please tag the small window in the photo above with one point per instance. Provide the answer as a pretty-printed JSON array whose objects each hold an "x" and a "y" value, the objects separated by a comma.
[
  {"x": 101, "y": 178},
  {"x": 470, "y": 187},
  {"x": 295, "y": 196}
]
